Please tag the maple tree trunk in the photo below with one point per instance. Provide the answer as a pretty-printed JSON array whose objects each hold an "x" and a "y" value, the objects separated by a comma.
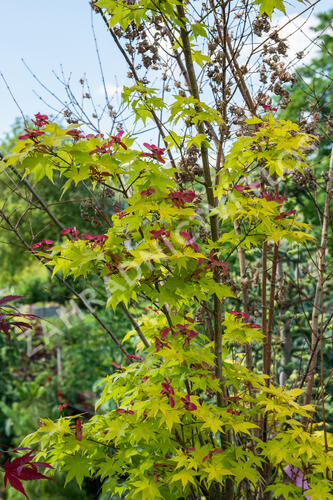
[{"x": 228, "y": 492}]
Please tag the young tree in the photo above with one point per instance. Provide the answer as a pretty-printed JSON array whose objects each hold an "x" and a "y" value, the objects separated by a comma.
[{"x": 200, "y": 235}]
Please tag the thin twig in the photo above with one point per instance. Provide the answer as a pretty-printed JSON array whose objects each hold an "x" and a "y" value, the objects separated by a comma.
[
  {"x": 14, "y": 99},
  {"x": 135, "y": 324}
]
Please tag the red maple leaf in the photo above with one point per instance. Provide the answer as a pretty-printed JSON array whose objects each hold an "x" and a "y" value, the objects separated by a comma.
[
  {"x": 23, "y": 469},
  {"x": 5, "y": 316}
]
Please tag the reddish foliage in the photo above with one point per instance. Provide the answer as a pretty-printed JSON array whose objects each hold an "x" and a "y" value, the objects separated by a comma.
[
  {"x": 42, "y": 245},
  {"x": 159, "y": 233},
  {"x": 123, "y": 410},
  {"x": 78, "y": 429},
  {"x": 168, "y": 391},
  {"x": 5, "y": 323},
  {"x": 23, "y": 469},
  {"x": 72, "y": 231},
  {"x": 31, "y": 134},
  {"x": 188, "y": 404},
  {"x": 148, "y": 192},
  {"x": 155, "y": 152},
  {"x": 179, "y": 198},
  {"x": 40, "y": 120},
  {"x": 75, "y": 133}
]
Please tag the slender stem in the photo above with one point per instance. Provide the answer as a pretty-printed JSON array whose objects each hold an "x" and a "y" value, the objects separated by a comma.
[
  {"x": 195, "y": 93},
  {"x": 14, "y": 99},
  {"x": 135, "y": 324},
  {"x": 267, "y": 368},
  {"x": 264, "y": 301},
  {"x": 264, "y": 332},
  {"x": 238, "y": 75},
  {"x": 245, "y": 294},
  {"x": 322, "y": 388},
  {"x": 99, "y": 59}
]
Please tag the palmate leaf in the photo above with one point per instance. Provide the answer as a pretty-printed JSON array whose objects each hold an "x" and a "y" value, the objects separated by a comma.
[
  {"x": 145, "y": 490},
  {"x": 321, "y": 490},
  {"x": 275, "y": 451},
  {"x": 13, "y": 313},
  {"x": 16, "y": 484},
  {"x": 77, "y": 468},
  {"x": 200, "y": 58},
  {"x": 169, "y": 418},
  {"x": 246, "y": 471},
  {"x": 268, "y": 6},
  {"x": 199, "y": 29},
  {"x": 217, "y": 472},
  {"x": 287, "y": 490},
  {"x": 23, "y": 468},
  {"x": 116, "y": 430},
  {"x": 142, "y": 432},
  {"x": 213, "y": 423},
  {"x": 243, "y": 427},
  {"x": 185, "y": 476}
]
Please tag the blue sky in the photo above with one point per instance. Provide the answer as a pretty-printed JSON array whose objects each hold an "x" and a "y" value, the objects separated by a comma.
[{"x": 47, "y": 34}]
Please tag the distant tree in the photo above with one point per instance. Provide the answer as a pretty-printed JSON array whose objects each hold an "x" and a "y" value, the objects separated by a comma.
[{"x": 311, "y": 96}]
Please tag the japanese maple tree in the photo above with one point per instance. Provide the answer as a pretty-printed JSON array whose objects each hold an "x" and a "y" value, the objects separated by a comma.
[{"x": 198, "y": 411}]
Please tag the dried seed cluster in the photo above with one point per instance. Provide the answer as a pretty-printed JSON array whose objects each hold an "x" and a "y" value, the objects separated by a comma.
[
  {"x": 189, "y": 165},
  {"x": 307, "y": 179},
  {"x": 261, "y": 25}
]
